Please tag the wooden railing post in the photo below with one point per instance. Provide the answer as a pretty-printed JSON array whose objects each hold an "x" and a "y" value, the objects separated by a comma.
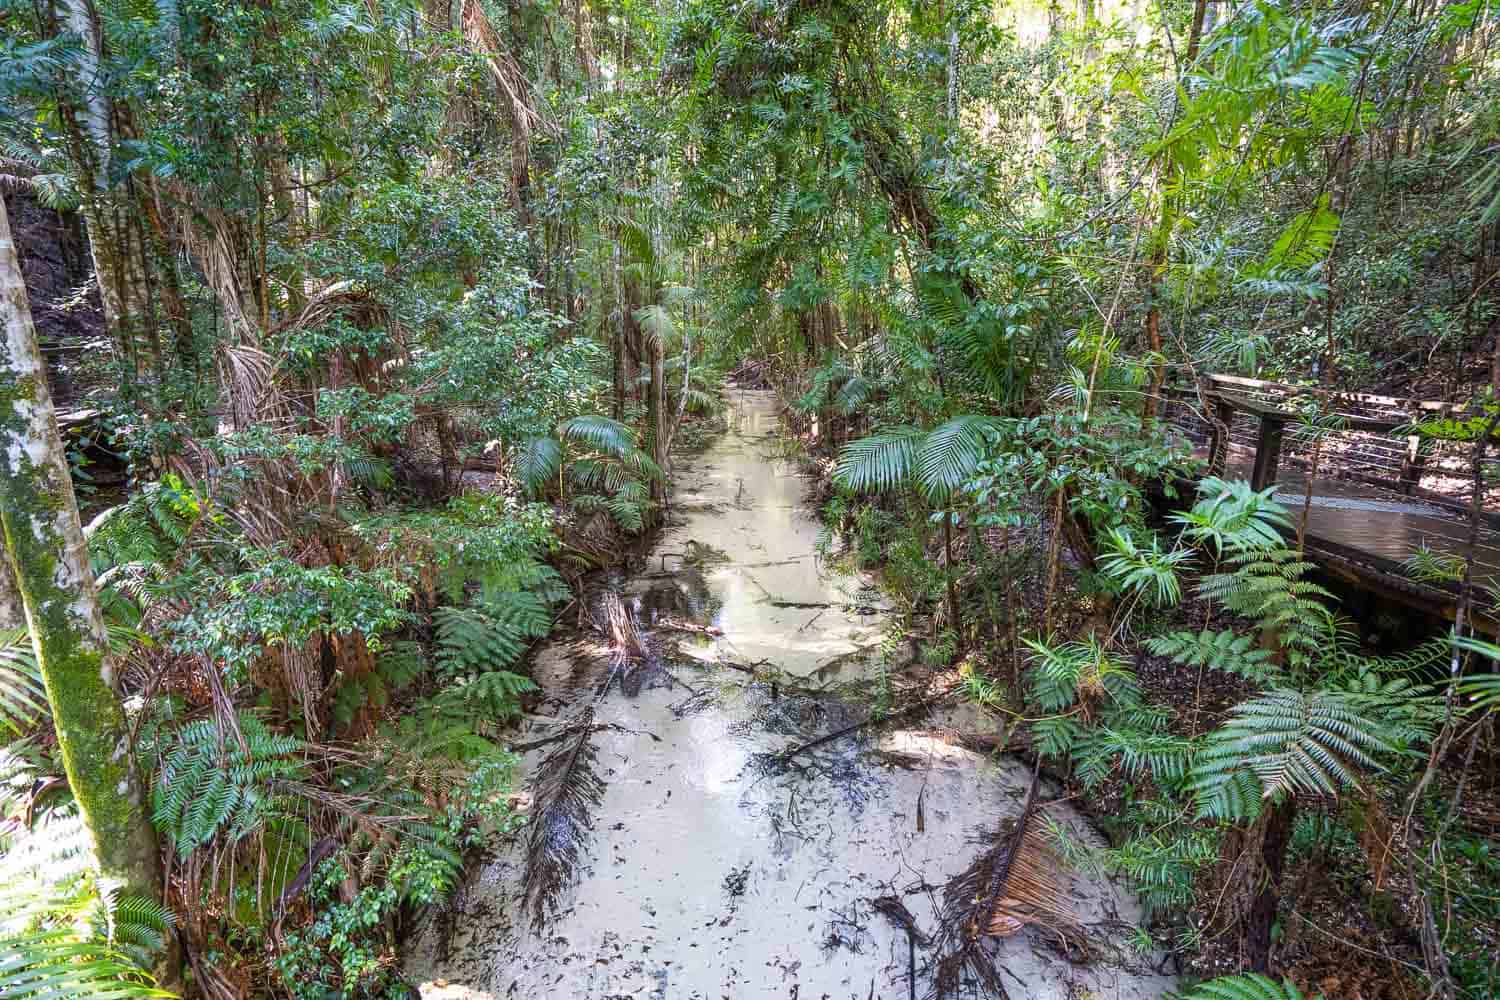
[
  {"x": 1413, "y": 463},
  {"x": 1220, "y": 416},
  {"x": 1267, "y": 452}
]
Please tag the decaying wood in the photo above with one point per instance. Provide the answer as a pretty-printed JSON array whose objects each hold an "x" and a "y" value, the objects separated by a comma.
[
  {"x": 896, "y": 912},
  {"x": 914, "y": 709}
]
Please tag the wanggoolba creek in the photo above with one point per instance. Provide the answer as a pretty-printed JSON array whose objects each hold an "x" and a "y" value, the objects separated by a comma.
[{"x": 719, "y": 499}]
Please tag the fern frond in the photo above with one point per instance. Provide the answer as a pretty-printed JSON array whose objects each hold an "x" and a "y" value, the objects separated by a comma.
[
  {"x": 1222, "y": 651},
  {"x": 1247, "y": 987},
  {"x": 1291, "y": 743}
]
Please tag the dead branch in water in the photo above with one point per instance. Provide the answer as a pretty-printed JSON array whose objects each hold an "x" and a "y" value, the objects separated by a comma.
[
  {"x": 672, "y": 624},
  {"x": 625, "y": 640},
  {"x": 904, "y": 713},
  {"x": 1012, "y": 884},
  {"x": 568, "y": 790}
]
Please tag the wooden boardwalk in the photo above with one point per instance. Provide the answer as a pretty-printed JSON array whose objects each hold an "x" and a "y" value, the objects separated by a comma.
[{"x": 1380, "y": 496}]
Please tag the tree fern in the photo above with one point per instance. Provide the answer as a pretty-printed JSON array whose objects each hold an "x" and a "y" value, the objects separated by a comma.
[
  {"x": 492, "y": 636},
  {"x": 1139, "y": 753},
  {"x": 1482, "y": 691},
  {"x": 1268, "y": 586},
  {"x": 1223, "y": 651},
  {"x": 1288, "y": 742},
  {"x": 495, "y": 694}
]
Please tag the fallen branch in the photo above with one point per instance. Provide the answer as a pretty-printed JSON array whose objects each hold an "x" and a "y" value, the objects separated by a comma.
[
  {"x": 673, "y": 625},
  {"x": 915, "y": 708},
  {"x": 896, "y": 912}
]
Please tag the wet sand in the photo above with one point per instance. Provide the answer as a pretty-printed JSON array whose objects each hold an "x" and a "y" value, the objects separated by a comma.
[{"x": 710, "y": 876}]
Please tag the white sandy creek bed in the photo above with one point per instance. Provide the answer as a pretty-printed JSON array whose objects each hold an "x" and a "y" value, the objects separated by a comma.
[{"x": 706, "y": 878}]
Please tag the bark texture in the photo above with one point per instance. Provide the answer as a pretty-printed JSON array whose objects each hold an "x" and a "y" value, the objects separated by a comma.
[{"x": 45, "y": 548}]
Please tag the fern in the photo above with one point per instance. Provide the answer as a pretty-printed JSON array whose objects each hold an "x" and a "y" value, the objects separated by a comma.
[
  {"x": 395, "y": 669},
  {"x": 1163, "y": 756},
  {"x": 207, "y": 781},
  {"x": 495, "y": 694},
  {"x": 1482, "y": 691},
  {"x": 1287, "y": 742},
  {"x": 1248, "y": 987},
  {"x": 1222, "y": 651},
  {"x": 1268, "y": 586},
  {"x": 492, "y": 636},
  {"x": 1079, "y": 671},
  {"x": 23, "y": 699}
]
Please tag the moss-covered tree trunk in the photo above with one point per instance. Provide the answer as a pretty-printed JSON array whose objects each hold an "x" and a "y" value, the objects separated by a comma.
[{"x": 44, "y": 547}]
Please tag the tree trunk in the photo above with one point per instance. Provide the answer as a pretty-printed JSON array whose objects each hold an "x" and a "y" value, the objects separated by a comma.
[
  {"x": 45, "y": 548},
  {"x": 1255, "y": 931},
  {"x": 954, "y": 621},
  {"x": 106, "y": 210},
  {"x": 658, "y": 413}
]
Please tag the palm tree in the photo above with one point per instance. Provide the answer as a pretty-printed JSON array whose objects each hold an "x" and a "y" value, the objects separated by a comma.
[{"x": 937, "y": 462}]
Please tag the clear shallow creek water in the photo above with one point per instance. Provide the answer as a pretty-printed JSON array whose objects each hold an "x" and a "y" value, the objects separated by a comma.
[{"x": 707, "y": 876}]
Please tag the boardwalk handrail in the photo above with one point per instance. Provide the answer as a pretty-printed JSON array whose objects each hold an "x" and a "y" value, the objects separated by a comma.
[
  {"x": 1388, "y": 402},
  {"x": 1268, "y": 401}
]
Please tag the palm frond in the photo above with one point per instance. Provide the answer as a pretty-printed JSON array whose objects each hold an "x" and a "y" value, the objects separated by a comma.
[
  {"x": 880, "y": 462},
  {"x": 23, "y": 699},
  {"x": 1013, "y": 883},
  {"x": 567, "y": 791},
  {"x": 538, "y": 461},
  {"x": 599, "y": 433},
  {"x": 949, "y": 454}
]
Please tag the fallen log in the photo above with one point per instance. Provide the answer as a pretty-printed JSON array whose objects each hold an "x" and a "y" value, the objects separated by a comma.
[{"x": 673, "y": 625}]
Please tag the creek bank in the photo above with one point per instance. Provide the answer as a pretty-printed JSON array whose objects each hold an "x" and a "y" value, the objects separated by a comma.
[{"x": 718, "y": 866}]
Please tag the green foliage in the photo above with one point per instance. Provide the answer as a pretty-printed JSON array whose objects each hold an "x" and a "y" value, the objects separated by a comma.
[
  {"x": 1250, "y": 987},
  {"x": 23, "y": 700},
  {"x": 343, "y": 951},
  {"x": 1149, "y": 572},
  {"x": 1231, "y": 518},
  {"x": 279, "y": 601},
  {"x": 1267, "y": 586},
  {"x": 1286, "y": 743},
  {"x": 1078, "y": 671},
  {"x": 209, "y": 782},
  {"x": 1223, "y": 651}
]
